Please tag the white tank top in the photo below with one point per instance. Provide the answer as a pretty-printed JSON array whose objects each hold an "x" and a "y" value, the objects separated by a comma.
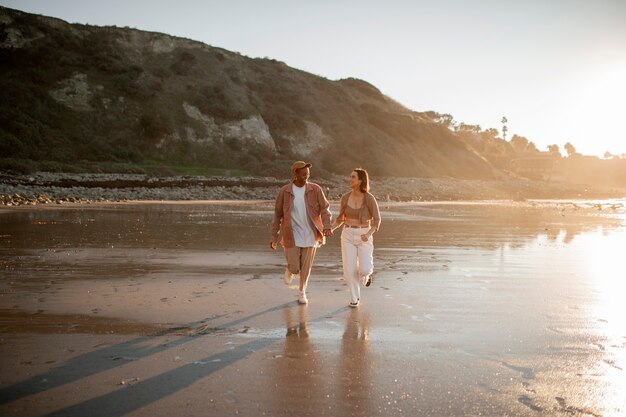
[{"x": 303, "y": 232}]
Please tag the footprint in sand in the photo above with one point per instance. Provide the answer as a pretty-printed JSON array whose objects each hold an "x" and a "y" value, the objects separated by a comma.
[
  {"x": 599, "y": 346},
  {"x": 613, "y": 364},
  {"x": 573, "y": 410},
  {"x": 527, "y": 373},
  {"x": 254, "y": 276},
  {"x": 528, "y": 402}
]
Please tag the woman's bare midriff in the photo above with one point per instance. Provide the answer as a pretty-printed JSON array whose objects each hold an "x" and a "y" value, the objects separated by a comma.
[{"x": 350, "y": 222}]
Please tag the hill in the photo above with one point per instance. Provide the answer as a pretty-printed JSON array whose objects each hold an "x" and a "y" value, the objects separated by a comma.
[{"x": 83, "y": 97}]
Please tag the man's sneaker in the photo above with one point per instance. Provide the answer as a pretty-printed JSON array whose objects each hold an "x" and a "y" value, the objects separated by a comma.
[
  {"x": 367, "y": 280},
  {"x": 288, "y": 277},
  {"x": 354, "y": 304},
  {"x": 302, "y": 298}
]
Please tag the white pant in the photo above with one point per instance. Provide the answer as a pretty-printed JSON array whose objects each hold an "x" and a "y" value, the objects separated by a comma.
[{"x": 357, "y": 257}]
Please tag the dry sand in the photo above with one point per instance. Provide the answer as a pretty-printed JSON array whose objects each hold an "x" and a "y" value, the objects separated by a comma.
[{"x": 485, "y": 308}]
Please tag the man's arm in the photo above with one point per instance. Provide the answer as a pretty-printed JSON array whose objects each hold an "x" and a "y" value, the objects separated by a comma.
[
  {"x": 277, "y": 220},
  {"x": 325, "y": 213}
]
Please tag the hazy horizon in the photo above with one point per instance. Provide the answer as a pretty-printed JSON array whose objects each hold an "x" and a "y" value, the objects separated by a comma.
[{"x": 556, "y": 71}]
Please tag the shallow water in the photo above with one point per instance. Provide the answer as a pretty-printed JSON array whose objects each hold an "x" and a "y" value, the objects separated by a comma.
[{"x": 476, "y": 309}]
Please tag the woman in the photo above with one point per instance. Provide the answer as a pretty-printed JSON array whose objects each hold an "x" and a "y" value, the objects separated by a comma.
[{"x": 358, "y": 211}]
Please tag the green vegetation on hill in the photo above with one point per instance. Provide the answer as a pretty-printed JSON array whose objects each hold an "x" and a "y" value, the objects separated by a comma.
[
  {"x": 122, "y": 96},
  {"x": 155, "y": 168},
  {"x": 107, "y": 99}
]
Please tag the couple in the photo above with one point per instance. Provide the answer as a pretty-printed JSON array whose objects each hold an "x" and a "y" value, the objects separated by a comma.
[{"x": 303, "y": 214}]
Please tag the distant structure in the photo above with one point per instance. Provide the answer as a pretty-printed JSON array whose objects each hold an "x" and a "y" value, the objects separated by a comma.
[{"x": 536, "y": 165}]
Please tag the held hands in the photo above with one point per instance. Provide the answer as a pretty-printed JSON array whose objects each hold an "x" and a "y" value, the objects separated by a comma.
[
  {"x": 365, "y": 237},
  {"x": 273, "y": 245}
]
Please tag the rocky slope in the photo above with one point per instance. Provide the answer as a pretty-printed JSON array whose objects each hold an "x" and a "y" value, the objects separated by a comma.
[{"x": 75, "y": 92}]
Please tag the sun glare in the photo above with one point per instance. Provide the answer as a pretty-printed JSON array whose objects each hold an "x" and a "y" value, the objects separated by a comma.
[
  {"x": 611, "y": 88},
  {"x": 601, "y": 99},
  {"x": 605, "y": 263}
]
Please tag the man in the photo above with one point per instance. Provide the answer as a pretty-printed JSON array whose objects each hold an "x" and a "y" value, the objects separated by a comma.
[{"x": 303, "y": 214}]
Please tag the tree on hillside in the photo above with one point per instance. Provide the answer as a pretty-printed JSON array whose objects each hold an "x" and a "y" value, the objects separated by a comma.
[
  {"x": 570, "y": 149},
  {"x": 444, "y": 119},
  {"x": 498, "y": 151},
  {"x": 489, "y": 134},
  {"x": 473, "y": 136},
  {"x": 464, "y": 127},
  {"x": 447, "y": 120},
  {"x": 554, "y": 150},
  {"x": 519, "y": 143},
  {"x": 504, "y": 128},
  {"x": 532, "y": 147}
]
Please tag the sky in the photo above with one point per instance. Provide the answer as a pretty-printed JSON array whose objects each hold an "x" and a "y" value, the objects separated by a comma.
[{"x": 555, "y": 68}]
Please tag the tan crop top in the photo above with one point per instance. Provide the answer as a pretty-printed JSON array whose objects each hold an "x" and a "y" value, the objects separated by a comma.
[
  {"x": 368, "y": 211},
  {"x": 352, "y": 213}
]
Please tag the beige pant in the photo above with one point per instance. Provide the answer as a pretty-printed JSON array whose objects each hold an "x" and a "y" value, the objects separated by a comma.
[
  {"x": 358, "y": 259},
  {"x": 300, "y": 260}
]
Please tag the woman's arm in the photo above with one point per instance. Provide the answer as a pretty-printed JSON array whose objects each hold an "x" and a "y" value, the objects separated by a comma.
[
  {"x": 372, "y": 205},
  {"x": 337, "y": 222},
  {"x": 341, "y": 216}
]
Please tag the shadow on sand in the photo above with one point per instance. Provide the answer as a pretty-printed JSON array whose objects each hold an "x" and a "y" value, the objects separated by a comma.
[{"x": 133, "y": 397}]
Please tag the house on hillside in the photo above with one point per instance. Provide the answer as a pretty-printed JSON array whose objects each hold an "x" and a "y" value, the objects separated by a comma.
[{"x": 537, "y": 165}]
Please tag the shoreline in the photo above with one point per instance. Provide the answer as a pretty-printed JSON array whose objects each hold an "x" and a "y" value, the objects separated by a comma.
[
  {"x": 122, "y": 308},
  {"x": 573, "y": 203},
  {"x": 148, "y": 309},
  {"x": 45, "y": 188}
]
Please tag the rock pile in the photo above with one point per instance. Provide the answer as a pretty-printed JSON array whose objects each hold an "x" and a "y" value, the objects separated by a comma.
[
  {"x": 19, "y": 200},
  {"x": 58, "y": 188}
]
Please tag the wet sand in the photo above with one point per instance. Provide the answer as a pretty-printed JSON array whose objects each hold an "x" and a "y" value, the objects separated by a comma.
[{"x": 179, "y": 309}]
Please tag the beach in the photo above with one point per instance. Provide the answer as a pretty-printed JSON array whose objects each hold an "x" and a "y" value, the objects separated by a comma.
[{"x": 153, "y": 308}]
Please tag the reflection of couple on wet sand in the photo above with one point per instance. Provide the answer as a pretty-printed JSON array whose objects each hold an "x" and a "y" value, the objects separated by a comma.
[
  {"x": 303, "y": 372},
  {"x": 303, "y": 216}
]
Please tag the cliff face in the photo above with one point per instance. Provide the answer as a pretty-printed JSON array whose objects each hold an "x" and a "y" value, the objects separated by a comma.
[{"x": 74, "y": 92}]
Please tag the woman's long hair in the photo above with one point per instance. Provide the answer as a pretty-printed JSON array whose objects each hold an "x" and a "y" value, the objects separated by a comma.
[{"x": 365, "y": 179}]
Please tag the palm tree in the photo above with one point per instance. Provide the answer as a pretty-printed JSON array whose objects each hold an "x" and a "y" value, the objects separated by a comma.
[{"x": 504, "y": 128}]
